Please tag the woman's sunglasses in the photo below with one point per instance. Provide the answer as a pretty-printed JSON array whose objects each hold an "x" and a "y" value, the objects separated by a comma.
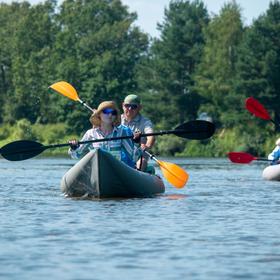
[
  {"x": 108, "y": 111},
  {"x": 130, "y": 106}
]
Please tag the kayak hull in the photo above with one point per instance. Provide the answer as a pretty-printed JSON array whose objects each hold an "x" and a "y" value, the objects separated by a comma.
[
  {"x": 272, "y": 173},
  {"x": 98, "y": 174}
]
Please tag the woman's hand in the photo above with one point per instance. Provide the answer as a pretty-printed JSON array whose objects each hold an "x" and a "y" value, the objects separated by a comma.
[
  {"x": 137, "y": 136},
  {"x": 74, "y": 144}
]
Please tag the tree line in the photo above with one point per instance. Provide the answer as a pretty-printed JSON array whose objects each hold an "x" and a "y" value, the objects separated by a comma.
[{"x": 199, "y": 65}]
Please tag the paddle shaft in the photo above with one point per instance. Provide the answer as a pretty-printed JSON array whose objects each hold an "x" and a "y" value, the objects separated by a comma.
[
  {"x": 115, "y": 138},
  {"x": 151, "y": 156},
  {"x": 164, "y": 132},
  {"x": 45, "y": 147},
  {"x": 262, "y": 159},
  {"x": 84, "y": 103}
]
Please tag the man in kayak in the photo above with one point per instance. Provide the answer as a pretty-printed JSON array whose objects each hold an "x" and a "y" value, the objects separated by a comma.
[
  {"x": 275, "y": 154},
  {"x": 106, "y": 124},
  {"x": 139, "y": 124}
]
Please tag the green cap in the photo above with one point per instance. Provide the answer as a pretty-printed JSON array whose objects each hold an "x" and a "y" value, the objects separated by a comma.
[{"x": 132, "y": 99}]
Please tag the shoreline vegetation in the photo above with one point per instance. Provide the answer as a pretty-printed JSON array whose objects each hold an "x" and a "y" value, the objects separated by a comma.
[{"x": 222, "y": 142}]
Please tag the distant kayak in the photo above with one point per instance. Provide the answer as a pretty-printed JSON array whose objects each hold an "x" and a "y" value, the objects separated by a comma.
[
  {"x": 99, "y": 175},
  {"x": 272, "y": 173}
]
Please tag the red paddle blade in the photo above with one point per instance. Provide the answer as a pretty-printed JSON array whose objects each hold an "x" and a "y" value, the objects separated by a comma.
[
  {"x": 240, "y": 157},
  {"x": 257, "y": 109}
]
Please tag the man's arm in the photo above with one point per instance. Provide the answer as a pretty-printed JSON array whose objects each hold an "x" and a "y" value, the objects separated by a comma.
[{"x": 150, "y": 142}]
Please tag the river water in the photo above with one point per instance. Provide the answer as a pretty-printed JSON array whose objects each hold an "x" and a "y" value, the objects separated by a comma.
[{"x": 223, "y": 225}]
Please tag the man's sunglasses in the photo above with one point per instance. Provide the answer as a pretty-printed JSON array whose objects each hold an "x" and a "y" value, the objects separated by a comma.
[
  {"x": 130, "y": 106},
  {"x": 108, "y": 111}
]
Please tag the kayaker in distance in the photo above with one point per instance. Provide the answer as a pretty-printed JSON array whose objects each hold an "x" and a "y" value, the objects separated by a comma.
[
  {"x": 106, "y": 124},
  {"x": 132, "y": 118},
  {"x": 275, "y": 154}
]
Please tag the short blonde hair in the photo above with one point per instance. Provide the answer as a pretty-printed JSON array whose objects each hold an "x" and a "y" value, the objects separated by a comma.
[
  {"x": 277, "y": 142},
  {"x": 95, "y": 117}
]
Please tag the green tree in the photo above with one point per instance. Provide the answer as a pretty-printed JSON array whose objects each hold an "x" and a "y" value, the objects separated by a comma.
[
  {"x": 166, "y": 75},
  {"x": 9, "y": 15},
  {"x": 29, "y": 52},
  {"x": 215, "y": 76},
  {"x": 259, "y": 60},
  {"x": 97, "y": 51}
]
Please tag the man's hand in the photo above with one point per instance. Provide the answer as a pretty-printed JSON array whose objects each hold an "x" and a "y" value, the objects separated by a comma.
[
  {"x": 137, "y": 136},
  {"x": 144, "y": 147}
]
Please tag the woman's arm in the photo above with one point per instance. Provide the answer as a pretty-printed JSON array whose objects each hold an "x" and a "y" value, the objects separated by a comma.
[{"x": 82, "y": 149}]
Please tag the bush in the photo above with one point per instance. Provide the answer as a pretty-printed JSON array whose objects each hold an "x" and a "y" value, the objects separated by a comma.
[
  {"x": 5, "y": 131},
  {"x": 23, "y": 130}
]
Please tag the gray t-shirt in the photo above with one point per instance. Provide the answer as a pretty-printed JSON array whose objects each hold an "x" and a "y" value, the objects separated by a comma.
[{"x": 143, "y": 124}]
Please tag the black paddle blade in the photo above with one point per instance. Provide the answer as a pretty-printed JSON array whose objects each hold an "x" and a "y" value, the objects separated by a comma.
[
  {"x": 21, "y": 150},
  {"x": 197, "y": 130}
]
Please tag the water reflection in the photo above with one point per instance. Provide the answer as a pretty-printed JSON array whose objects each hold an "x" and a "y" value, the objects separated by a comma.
[{"x": 176, "y": 196}]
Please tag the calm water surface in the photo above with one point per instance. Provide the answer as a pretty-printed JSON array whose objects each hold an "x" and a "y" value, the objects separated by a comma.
[{"x": 223, "y": 225}]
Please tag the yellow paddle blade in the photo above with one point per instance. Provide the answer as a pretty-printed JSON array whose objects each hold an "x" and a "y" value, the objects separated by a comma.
[
  {"x": 174, "y": 174},
  {"x": 65, "y": 89}
]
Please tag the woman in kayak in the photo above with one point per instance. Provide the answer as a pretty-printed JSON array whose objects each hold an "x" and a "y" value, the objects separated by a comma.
[
  {"x": 275, "y": 154},
  {"x": 106, "y": 124}
]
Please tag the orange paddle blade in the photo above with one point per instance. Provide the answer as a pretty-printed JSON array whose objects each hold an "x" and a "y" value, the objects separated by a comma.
[
  {"x": 174, "y": 174},
  {"x": 65, "y": 89}
]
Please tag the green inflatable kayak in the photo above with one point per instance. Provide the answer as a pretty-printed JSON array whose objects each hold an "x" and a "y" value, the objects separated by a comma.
[{"x": 99, "y": 175}]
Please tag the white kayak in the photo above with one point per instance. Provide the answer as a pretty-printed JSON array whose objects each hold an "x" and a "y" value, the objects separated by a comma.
[{"x": 272, "y": 173}]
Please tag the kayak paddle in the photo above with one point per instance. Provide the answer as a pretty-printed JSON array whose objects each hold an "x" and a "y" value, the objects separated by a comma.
[
  {"x": 257, "y": 109},
  {"x": 69, "y": 91},
  {"x": 173, "y": 173},
  {"x": 241, "y": 157},
  {"x": 25, "y": 149}
]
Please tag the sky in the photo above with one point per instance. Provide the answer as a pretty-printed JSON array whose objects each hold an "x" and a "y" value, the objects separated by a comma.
[{"x": 150, "y": 12}]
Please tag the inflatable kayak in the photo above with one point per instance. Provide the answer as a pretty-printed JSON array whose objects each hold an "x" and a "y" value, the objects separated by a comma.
[
  {"x": 272, "y": 173},
  {"x": 99, "y": 175}
]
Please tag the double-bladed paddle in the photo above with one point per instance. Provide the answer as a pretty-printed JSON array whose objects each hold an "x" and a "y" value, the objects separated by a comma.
[
  {"x": 258, "y": 110},
  {"x": 241, "y": 157},
  {"x": 25, "y": 149}
]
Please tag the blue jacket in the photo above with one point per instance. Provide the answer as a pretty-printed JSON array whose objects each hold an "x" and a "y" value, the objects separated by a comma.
[{"x": 274, "y": 155}]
